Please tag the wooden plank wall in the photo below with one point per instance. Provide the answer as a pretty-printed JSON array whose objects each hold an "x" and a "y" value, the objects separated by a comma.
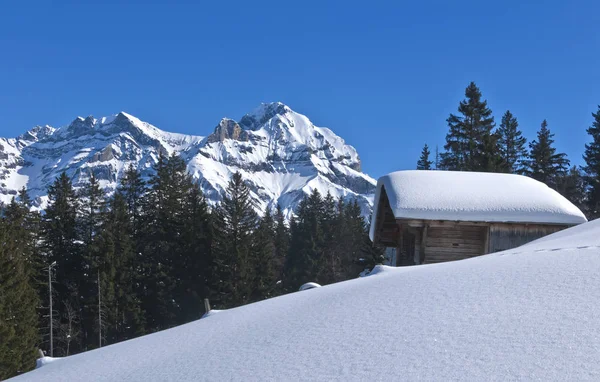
[
  {"x": 507, "y": 236},
  {"x": 387, "y": 229},
  {"x": 454, "y": 243}
]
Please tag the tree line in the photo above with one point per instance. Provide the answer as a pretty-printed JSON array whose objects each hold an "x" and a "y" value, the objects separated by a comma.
[
  {"x": 144, "y": 259},
  {"x": 475, "y": 143}
]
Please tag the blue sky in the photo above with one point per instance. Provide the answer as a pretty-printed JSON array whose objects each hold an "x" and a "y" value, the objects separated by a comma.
[{"x": 383, "y": 75}]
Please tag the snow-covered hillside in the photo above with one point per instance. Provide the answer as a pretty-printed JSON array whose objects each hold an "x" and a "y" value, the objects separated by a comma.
[
  {"x": 280, "y": 153},
  {"x": 530, "y": 313}
]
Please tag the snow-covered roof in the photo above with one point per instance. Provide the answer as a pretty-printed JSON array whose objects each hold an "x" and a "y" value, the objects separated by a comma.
[
  {"x": 529, "y": 313},
  {"x": 473, "y": 196}
]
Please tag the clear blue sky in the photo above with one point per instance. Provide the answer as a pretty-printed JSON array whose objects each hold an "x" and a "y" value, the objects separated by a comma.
[{"x": 383, "y": 75}]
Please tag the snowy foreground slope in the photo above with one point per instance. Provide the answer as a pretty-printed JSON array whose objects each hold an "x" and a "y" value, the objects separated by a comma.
[
  {"x": 529, "y": 313},
  {"x": 280, "y": 153}
]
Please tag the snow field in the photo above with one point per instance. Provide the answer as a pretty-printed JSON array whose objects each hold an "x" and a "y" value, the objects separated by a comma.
[{"x": 530, "y": 313}]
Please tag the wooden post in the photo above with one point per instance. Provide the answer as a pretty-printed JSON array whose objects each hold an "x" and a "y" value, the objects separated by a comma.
[
  {"x": 486, "y": 243},
  {"x": 400, "y": 252},
  {"x": 423, "y": 245},
  {"x": 206, "y": 305}
]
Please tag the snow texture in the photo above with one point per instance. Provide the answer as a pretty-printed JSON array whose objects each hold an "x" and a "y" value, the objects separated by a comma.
[
  {"x": 309, "y": 285},
  {"x": 474, "y": 196},
  {"x": 281, "y": 154},
  {"x": 530, "y": 313},
  {"x": 40, "y": 362}
]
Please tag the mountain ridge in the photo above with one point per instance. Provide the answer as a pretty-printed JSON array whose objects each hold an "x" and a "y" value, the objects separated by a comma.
[{"x": 281, "y": 154}]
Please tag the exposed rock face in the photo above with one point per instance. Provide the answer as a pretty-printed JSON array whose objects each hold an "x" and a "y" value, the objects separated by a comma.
[
  {"x": 280, "y": 153},
  {"x": 227, "y": 129}
]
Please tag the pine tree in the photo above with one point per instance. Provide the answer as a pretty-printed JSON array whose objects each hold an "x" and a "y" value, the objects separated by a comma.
[
  {"x": 162, "y": 247},
  {"x": 61, "y": 243},
  {"x": 91, "y": 204},
  {"x": 328, "y": 266},
  {"x": 91, "y": 208},
  {"x": 543, "y": 163},
  {"x": 263, "y": 259},
  {"x": 512, "y": 145},
  {"x": 29, "y": 222},
  {"x": 60, "y": 221},
  {"x": 348, "y": 240},
  {"x": 18, "y": 298},
  {"x": 233, "y": 224},
  {"x": 306, "y": 244},
  {"x": 470, "y": 145},
  {"x": 489, "y": 156},
  {"x": 281, "y": 243},
  {"x": 572, "y": 186},
  {"x": 424, "y": 163},
  {"x": 122, "y": 315},
  {"x": 194, "y": 269},
  {"x": 133, "y": 188},
  {"x": 592, "y": 167}
]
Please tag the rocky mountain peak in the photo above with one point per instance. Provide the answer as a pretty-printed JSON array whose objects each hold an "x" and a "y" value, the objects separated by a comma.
[
  {"x": 81, "y": 125},
  {"x": 262, "y": 114},
  {"x": 37, "y": 133},
  {"x": 227, "y": 129}
]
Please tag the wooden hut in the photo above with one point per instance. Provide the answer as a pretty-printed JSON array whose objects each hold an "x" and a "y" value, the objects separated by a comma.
[{"x": 435, "y": 216}]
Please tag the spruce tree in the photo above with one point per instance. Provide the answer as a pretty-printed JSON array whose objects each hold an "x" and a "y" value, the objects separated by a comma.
[
  {"x": 470, "y": 145},
  {"x": 424, "y": 163},
  {"x": 356, "y": 259},
  {"x": 306, "y": 244},
  {"x": 18, "y": 299},
  {"x": 91, "y": 203},
  {"x": 281, "y": 243},
  {"x": 571, "y": 185},
  {"x": 29, "y": 222},
  {"x": 61, "y": 243},
  {"x": 162, "y": 247},
  {"x": 133, "y": 189},
  {"x": 91, "y": 208},
  {"x": 330, "y": 267},
  {"x": 489, "y": 157},
  {"x": 121, "y": 306},
  {"x": 263, "y": 259},
  {"x": 512, "y": 145},
  {"x": 194, "y": 269},
  {"x": 60, "y": 221},
  {"x": 544, "y": 163},
  {"x": 592, "y": 167},
  {"x": 233, "y": 225}
]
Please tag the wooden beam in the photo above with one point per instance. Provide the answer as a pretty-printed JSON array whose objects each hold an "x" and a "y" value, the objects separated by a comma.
[{"x": 441, "y": 223}]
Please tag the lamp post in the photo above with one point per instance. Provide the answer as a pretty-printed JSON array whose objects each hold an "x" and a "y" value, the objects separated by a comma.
[{"x": 50, "y": 291}]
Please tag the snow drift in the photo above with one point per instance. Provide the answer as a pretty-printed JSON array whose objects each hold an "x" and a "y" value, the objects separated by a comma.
[{"x": 527, "y": 313}]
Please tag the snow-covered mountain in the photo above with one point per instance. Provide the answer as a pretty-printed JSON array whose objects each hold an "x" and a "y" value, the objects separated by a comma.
[{"x": 279, "y": 152}]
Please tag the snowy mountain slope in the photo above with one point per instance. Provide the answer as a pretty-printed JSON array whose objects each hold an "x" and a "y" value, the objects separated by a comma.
[
  {"x": 529, "y": 313},
  {"x": 280, "y": 153}
]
